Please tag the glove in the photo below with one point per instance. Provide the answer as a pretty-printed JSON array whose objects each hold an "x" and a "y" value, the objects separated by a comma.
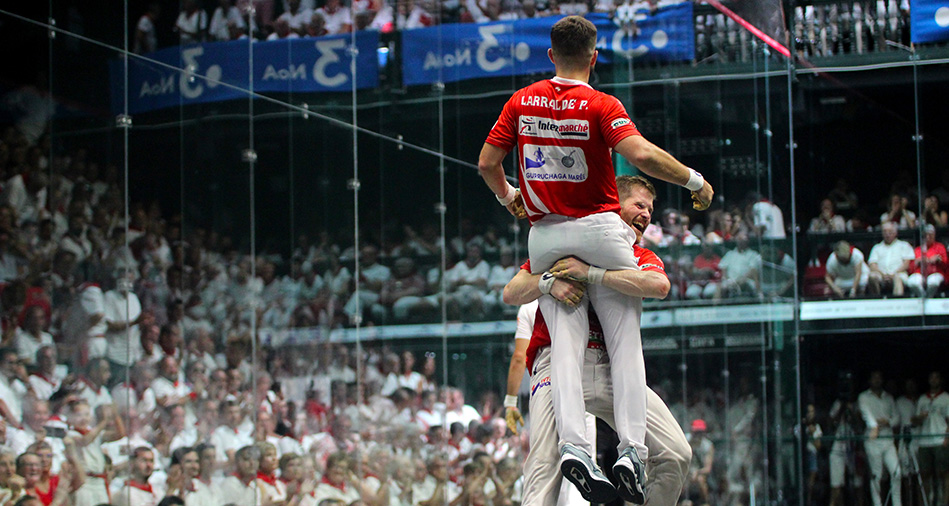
[{"x": 513, "y": 417}]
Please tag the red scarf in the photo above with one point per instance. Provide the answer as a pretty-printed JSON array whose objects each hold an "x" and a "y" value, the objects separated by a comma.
[
  {"x": 341, "y": 486},
  {"x": 269, "y": 479},
  {"x": 145, "y": 487}
]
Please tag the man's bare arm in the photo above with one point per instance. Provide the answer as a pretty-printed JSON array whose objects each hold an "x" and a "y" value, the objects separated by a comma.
[
  {"x": 635, "y": 283},
  {"x": 656, "y": 162},
  {"x": 524, "y": 288},
  {"x": 491, "y": 170}
]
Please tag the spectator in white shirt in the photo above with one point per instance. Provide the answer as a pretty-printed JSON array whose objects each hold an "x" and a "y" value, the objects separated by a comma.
[
  {"x": 12, "y": 388},
  {"x": 297, "y": 17},
  {"x": 768, "y": 219},
  {"x": 146, "y": 40},
  {"x": 192, "y": 23},
  {"x": 828, "y": 221},
  {"x": 932, "y": 414},
  {"x": 467, "y": 283},
  {"x": 224, "y": 15},
  {"x": 741, "y": 269},
  {"x": 372, "y": 276},
  {"x": 168, "y": 388},
  {"x": 889, "y": 262},
  {"x": 137, "y": 491},
  {"x": 847, "y": 273},
  {"x": 336, "y": 16},
  {"x": 898, "y": 214},
  {"x": 32, "y": 336},
  {"x": 241, "y": 487},
  {"x": 879, "y": 413},
  {"x": 47, "y": 378},
  {"x": 229, "y": 437}
]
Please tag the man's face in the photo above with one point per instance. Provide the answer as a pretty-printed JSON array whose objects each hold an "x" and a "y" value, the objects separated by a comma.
[
  {"x": 190, "y": 465},
  {"x": 636, "y": 210},
  {"x": 143, "y": 466},
  {"x": 889, "y": 233}
]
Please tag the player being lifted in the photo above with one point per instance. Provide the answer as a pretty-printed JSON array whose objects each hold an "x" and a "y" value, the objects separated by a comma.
[{"x": 569, "y": 194}]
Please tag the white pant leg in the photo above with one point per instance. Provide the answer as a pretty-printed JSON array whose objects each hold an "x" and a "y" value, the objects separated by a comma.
[
  {"x": 543, "y": 483},
  {"x": 541, "y": 468},
  {"x": 91, "y": 493},
  {"x": 619, "y": 315},
  {"x": 838, "y": 464},
  {"x": 892, "y": 462},
  {"x": 602, "y": 240},
  {"x": 933, "y": 282},
  {"x": 915, "y": 284},
  {"x": 882, "y": 453},
  {"x": 669, "y": 452}
]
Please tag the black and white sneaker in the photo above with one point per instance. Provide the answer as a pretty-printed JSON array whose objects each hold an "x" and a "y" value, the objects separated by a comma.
[
  {"x": 631, "y": 473},
  {"x": 577, "y": 466}
]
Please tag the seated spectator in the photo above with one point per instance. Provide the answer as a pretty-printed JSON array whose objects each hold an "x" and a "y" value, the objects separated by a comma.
[
  {"x": 282, "y": 30},
  {"x": 336, "y": 16},
  {"x": 48, "y": 377},
  {"x": 777, "y": 272},
  {"x": 372, "y": 276},
  {"x": 928, "y": 270},
  {"x": 847, "y": 274},
  {"x": 225, "y": 15},
  {"x": 898, "y": 214},
  {"x": 192, "y": 23},
  {"x": 500, "y": 275},
  {"x": 828, "y": 221},
  {"x": 706, "y": 275},
  {"x": 317, "y": 25},
  {"x": 723, "y": 225},
  {"x": 435, "y": 483},
  {"x": 741, "y": 269},
  {"x": 402, "y": 292},
  {"x": 889, "y": 262},
  {"x": 932, "y": 215},
  {"x": 860, "y": 222},
  {"x": 414, "y": 14},
  {"x": 467, "y": 281},
  {"x": 296, "y": 17},
  {"x": 32, "y": 335},
  {"x": 240, "y": 488}
]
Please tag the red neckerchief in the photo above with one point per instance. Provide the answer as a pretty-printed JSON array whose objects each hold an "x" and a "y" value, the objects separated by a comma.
[
  {"x": 145, "y": 487},
  {"x": 91, "y": 386},
  {"x": 932, "y": 397},
  {"x": 81, "y": 431},
  {"x": 47, "y": 498},
  {"x": 269, "y": 479},
  {"x": 373, "y": 475},
  {"x": 246, "y": 483},
  {"x": 44, "y": 378},
  {"x": 190, "y": 487},
  {"x": 341, "y": 486}
]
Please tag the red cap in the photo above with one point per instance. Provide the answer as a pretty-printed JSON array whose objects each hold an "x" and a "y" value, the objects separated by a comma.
[{"x": 698, "y": 425}]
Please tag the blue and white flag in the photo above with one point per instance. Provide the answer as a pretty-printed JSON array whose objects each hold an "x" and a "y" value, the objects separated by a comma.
[
  {"x": 456, "y": 52},
  {"x": 218, "y": 71},
  {"x": 929, "y": 20}
]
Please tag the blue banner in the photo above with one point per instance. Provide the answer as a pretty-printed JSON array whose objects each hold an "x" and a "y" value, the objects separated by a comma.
[
  {"x": 218, "y": 71},
  {"x": 467, "y": 51},
  {"x": 929, "y": 20}
]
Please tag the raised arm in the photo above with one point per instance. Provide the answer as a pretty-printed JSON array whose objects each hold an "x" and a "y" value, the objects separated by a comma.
[{"x": 656, "y": 162}]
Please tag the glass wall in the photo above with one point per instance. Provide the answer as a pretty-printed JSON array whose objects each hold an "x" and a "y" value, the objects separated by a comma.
[{"x": 265, "y": 271}]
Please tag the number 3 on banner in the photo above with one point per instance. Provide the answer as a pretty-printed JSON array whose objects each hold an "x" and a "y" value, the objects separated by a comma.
[
  {"x": 191, "y": 87},
  {"x": 328, "y": 56}
]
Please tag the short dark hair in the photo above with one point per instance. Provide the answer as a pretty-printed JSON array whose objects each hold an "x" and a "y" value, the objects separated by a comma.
[
  {"x": 625, "y": 184},
  {"x": 573, "y": 40}
]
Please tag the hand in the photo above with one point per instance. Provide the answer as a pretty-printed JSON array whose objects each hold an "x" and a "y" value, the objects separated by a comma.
[
  {"x": 874, "y": 432},
  {"x": 571, "y": 268},
  {"x": 703, "y": 198},
  {"x": 516, "y": 208},
  {"x": 513, "y": 417},
  {"x": 567, "y": 291}
]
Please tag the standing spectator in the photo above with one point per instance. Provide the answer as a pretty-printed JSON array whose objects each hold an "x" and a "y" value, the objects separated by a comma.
[
  {"x": 828, "y": 221},
  {"x": 146, "y": 40},
  {"x": 336, "y": 16},
  {"x": 703, "y": 457},
  {"x": 847, "y": 273},
  {"x": 778, "y": 271},
  {"x": 932, "y": 413},
  {"x": 889, "y": 262},
  {"x": 898, "y": 214},
  {"x": 32, "y": 335},
  {"x": 845, "y": 417},
  {"x": 812, "y": 434},
  {"x": 123, "y": 313},
  {"x": 880, "y": 415},
  {"x": 929, "y": 267},
  {"x": 224, "y": 16},
  {"x": 909, "y": 445},
  {"x": 767, "y": 218},
  {"x": 137, "y": 491},
  {"x": 706, "y": 274},
  {"x": 192, "y": 23},
  {"x": 741, "y": 269}
]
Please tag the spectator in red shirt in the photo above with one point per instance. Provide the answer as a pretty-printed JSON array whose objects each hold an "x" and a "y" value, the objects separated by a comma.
[
  {"x": 929, "y": 267},
  {"x": 705, "y": 274}
]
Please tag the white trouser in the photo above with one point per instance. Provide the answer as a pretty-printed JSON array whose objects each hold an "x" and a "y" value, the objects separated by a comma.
[
  {"x": 933, "y": 283},
  {"x": 882, "y": 452},
  {"x": 669, "y": 452},
  {"x": 605, "y": 241}
]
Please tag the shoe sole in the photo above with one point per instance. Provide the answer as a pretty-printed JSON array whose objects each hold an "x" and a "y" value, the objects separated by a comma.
[
  {"x": 594, "y": 491},
  {"x": 627, "y": 485}
]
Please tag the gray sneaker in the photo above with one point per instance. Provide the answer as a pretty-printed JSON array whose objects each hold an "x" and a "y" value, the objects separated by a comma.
[
  {"x": 577, "y": 466},
  {"x": 631, "y": 473}
]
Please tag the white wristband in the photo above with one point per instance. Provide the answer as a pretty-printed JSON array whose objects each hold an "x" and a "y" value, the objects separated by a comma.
[
  {"x": 510, "y": 401},
  {"x": 696, "y": 181},
  {"x": 508, "y": 197},
  {"x": 595, "y": 275},
  {"x": 546, "y": 282}
]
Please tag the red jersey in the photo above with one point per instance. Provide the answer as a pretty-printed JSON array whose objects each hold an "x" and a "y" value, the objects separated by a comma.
[
  {"x": 564, "y": 131},
  {"x": 937, "y": 249},
  {"x": 540, "y": 338}
]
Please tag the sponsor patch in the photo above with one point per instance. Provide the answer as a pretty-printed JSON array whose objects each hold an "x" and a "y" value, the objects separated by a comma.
[
  {"x": 651, "y": 266},
  {"x": 620, "y": 122},
  {"x": 554, "y": 163},
  {"x": 536, "y": 126},
  {"x": 545, "y": 382}
]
